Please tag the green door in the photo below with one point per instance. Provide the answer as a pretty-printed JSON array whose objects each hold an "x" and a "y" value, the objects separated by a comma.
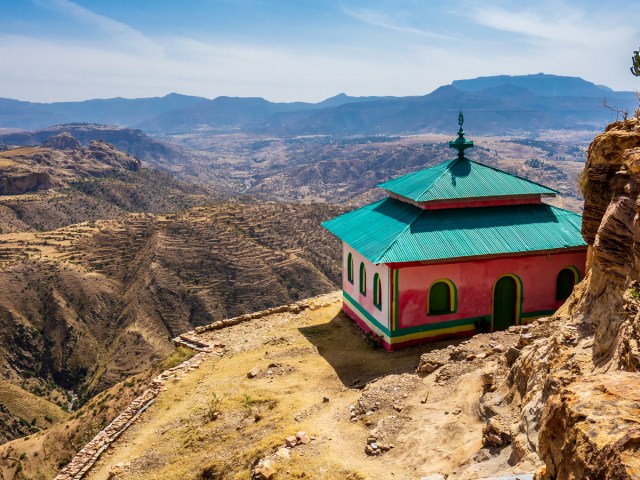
[
  {"x": 564, "y": 284},
  {"x": 505, "y": 303}
]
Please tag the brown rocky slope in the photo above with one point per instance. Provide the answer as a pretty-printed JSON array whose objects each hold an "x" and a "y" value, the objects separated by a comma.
[
  {"x": 91, "y": 293},
  {"x": 133, "y": 141},
  {"x": 90, "y": 304},
  {"x": 30, "y": 169},
  {"x": 43, "y": 188},
  {"x": 571, "y": 398}
]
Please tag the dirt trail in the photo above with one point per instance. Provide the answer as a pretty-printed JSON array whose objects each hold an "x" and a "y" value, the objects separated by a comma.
[{"x": 317, "y": 374}]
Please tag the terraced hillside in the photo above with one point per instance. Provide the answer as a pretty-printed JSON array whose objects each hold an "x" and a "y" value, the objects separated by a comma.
[{"x": 87, "y": 305}]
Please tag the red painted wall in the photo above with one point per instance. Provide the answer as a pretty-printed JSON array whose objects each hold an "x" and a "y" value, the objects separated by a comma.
[
  {"x": 466, "y": 203},
  {"x": 474, "y": 281}
]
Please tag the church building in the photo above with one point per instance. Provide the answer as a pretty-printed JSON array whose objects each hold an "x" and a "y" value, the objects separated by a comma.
[{"x": 455, "y": 249}]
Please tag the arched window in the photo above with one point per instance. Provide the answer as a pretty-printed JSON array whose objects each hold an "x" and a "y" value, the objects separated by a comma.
[
  {"x": 567, "y": 279},
  {"x": 350, "y": 268},
  {"x": 363, "y": 279},
  {"x": 442, "y": 298},
  {"x": 377, "y": 292}
]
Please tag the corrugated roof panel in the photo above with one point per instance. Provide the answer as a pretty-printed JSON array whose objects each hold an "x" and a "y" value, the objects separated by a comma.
[
  {"x": 374, "y": 227},
  {"x": 462, "y": 178},
  {"x": 395, "y": 231}
]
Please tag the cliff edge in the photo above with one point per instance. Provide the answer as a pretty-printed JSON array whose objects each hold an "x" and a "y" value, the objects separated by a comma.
[{"x": 575, "y": 380}]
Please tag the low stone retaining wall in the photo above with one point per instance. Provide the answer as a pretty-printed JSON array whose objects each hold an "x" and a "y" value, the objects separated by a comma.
[
  {"x": 87, "y": 457},
  {"x": 190, "y": 339},
  {"x": 90, "y": 453}
]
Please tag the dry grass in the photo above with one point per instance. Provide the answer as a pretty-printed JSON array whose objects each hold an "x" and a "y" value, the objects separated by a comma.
[
  {"x": 303, "y": 358},
  {"x": 19, "y": 151},
  {"x": 178, "y": 356},
  {"x": 27, "y": 406},
  {"x": 5, "y": 162},
  {"x": 179, "y": 439}
]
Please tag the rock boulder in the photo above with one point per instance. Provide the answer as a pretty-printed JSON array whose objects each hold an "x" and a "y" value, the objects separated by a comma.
[{"x": 591, "y": 429}]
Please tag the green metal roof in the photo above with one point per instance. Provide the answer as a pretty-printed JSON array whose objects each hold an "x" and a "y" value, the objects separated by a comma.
[
  {"x": 394, "y": 231},
  {"x": 462, "y": 178}
]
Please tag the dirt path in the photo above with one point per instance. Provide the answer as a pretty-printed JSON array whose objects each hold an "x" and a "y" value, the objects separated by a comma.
[{"x": 311, "y": 369}]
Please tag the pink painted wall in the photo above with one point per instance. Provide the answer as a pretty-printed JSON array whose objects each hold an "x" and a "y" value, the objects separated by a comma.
[
  {"x": 474, "y": 281},
  {"x": 366, "y": 301}
]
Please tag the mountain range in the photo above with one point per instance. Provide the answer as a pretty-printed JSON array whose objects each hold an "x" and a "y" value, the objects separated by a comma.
[{"x": 494, "y": 105}]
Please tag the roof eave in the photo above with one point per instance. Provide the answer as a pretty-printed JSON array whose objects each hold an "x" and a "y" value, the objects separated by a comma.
[{"x": 470, "y": 258}]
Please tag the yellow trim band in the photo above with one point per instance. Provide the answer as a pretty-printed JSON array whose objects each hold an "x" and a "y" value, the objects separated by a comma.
[{"x": 452, "y": 293}]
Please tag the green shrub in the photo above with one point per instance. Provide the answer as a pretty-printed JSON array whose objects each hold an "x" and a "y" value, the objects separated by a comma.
[{"x": 179, "y": 355}]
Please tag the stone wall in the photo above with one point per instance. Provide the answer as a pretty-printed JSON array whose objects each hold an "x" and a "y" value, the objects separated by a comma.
[{"x": 91, "y": 452}]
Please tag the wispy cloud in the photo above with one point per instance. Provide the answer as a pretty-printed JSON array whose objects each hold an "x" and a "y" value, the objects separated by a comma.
[
  {"x": 383, "y": 20},
  {"x": 199, "y": 68},
  {"x": 554, "y": 23},
  {"x": 93, "y": 55},
  {"x": 113, "y": 28}
]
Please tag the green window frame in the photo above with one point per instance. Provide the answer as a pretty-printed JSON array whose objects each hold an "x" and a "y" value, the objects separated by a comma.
[
  {"x": 442, "y": 297},
  {"x": 377, "y": 292},
  {"x": 350, "y": 269},
  {"x": 363, "y": 279}
]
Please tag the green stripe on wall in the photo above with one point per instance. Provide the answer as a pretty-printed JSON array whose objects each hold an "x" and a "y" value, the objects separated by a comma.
[
  {"x": 432, "y": 326},
  {"x": 366, "y": 314},
  {"x": 405, "y": 331},
  {"x": 436, "y": 326}
]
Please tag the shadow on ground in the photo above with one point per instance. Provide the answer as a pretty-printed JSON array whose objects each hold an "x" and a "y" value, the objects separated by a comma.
[{"x": 355, "y": 360}]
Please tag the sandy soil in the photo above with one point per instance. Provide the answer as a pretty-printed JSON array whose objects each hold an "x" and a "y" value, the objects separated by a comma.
[{"x": 319, "y": 375}]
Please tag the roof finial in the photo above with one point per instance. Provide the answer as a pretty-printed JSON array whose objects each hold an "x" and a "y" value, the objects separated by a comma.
[{"x": 461, "y": 143}]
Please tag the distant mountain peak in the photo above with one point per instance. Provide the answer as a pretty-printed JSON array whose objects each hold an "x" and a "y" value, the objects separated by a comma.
[
  {"x": 553, "y": 101},
  {"x": 542, "y": 84}
]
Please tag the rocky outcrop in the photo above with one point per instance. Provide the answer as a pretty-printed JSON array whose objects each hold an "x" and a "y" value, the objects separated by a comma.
[
  {"x": 575, "y": 413},
  {"x": 30, "y": 169},
  {"x": 109, "y": 155},
  {"x": 592, "y": 429},
  {"x": 24, "y": 183},
  {"x": 62, "y": 141},
  {"x": 612, "y": 228},
  {"x": 610, "y": 153}
]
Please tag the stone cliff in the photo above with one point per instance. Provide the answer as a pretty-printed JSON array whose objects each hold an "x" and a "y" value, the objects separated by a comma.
[
  {"x": 576, "y": 378},
  {"x": 30, "y": 169},
  {"x": 62, "y": 141}
]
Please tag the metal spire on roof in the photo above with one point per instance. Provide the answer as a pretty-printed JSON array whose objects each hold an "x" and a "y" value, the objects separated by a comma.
[{"x": 461, "y": 143}]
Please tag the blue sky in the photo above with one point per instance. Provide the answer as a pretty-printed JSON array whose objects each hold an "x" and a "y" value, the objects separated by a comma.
[{"x": 285, "y": 50}]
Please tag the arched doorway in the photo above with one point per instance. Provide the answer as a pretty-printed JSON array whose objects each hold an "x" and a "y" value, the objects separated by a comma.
[
  {"x": 506, "y": 303},
  {"x": 567, "y": 279}
]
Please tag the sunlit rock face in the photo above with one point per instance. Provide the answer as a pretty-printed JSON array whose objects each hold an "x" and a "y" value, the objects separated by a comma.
[
  {"x": 576, "y": 415},
  {"x": 590, "y": 429}
]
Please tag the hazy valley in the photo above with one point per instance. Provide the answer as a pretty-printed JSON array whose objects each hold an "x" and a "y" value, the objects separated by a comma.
[{"x": 115, "y": 239}]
